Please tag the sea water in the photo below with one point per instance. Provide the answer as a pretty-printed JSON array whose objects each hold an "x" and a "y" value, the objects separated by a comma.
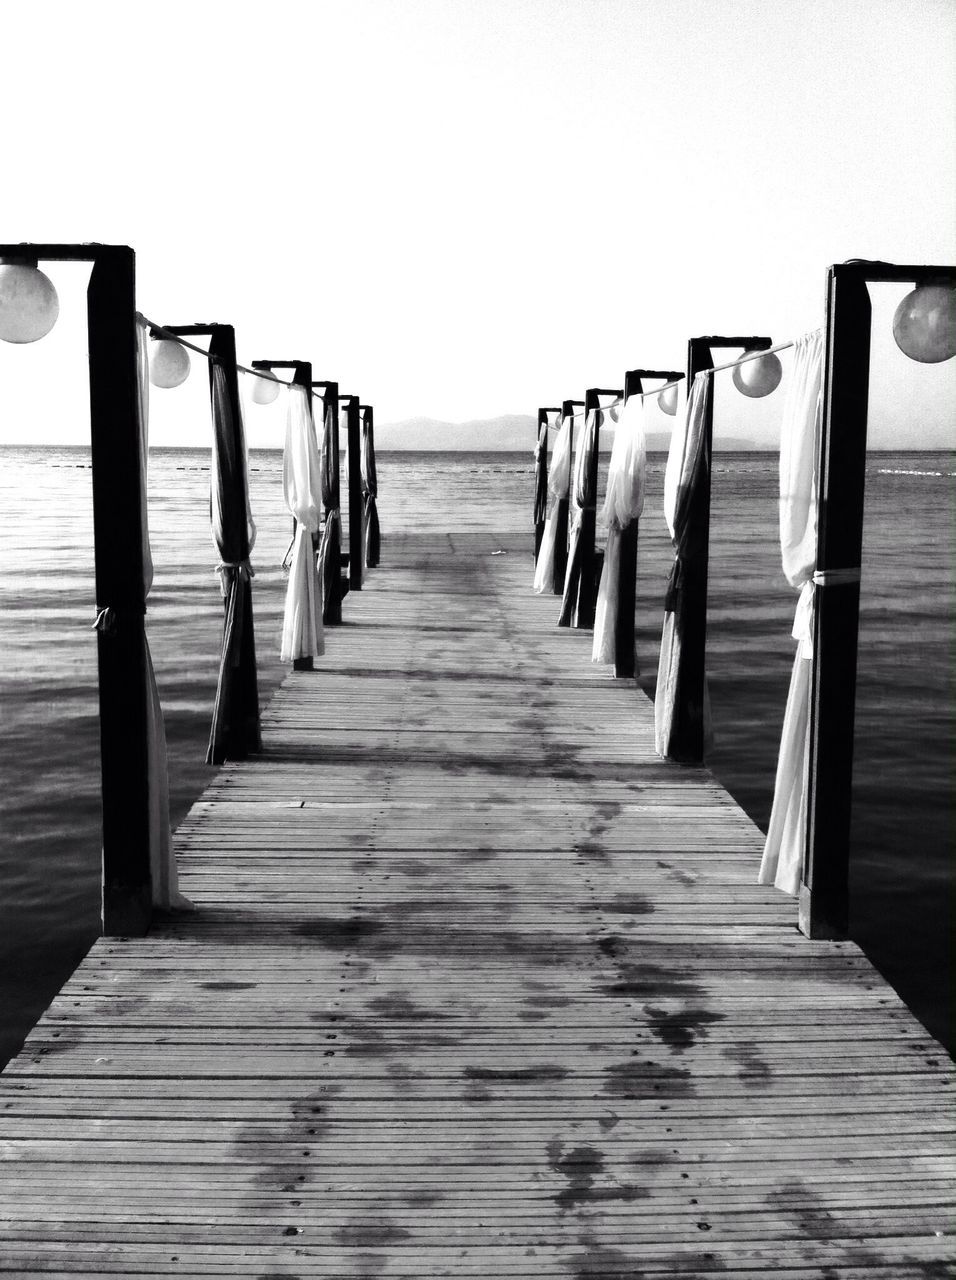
[{"x": 49, "y": 761}]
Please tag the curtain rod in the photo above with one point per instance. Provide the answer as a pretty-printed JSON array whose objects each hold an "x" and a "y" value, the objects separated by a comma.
[
  {"x": 755, "y": 355},
  {"x": 645, "y": 395}
]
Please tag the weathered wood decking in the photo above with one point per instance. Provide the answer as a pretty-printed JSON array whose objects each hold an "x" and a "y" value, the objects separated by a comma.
[{"x": 478, "y": 987}]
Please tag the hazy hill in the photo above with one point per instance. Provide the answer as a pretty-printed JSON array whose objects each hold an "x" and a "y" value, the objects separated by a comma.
[{"x": 512, "y": 432}]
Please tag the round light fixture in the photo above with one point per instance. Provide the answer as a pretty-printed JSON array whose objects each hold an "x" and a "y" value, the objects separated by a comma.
[
  {"x": 168, "y": 363},
  {"x": 924, "y": 325},
  {"x": 667, "y": 400},
  {"x": 28, "y": 302},
  {"x": 757, "y": 378},
  {"x": 265, "y": 389}
]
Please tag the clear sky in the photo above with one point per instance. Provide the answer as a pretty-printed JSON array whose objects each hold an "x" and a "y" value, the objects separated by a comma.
[{"x": 464, "y": 208}]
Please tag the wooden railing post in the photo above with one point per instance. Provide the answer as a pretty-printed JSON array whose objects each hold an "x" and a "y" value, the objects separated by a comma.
[
  {"x": 242, "y": 730},
  {"x": 332, "y": 585},
  {"x": 588, "y": 588},
  {"x": 562, "y": 505},
  {"x": 625, "y": 655},
  {"x": 541, "y": 479},
  {"x": 356, "y": 504},
  {"x": 690, "y": 709},
  {"x": 824, "y": 892},
  {"x": 371, "y": 543}
]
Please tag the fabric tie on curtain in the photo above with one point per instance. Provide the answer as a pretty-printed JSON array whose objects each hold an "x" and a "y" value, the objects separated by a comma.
[
  {"x": 623, "y": 504},
  {"x": 234, "y": 532},
  {"x": 331, "y": 543},
  {"x": 583, "y": 498},
  {"x": 302, "y": 634},
  {"x": 782, "y": 862},
  {"x": 370, "y": 495},
  {"x": 164, "y": 876},
  {"x": 687, "y": 466},
  {"x": 559, "y": 479}
]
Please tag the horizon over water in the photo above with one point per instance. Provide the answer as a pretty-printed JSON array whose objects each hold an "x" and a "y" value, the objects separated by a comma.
[{"x": 49, "y": 755}]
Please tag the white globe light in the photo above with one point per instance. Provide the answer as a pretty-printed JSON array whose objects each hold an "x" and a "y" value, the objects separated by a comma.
[
  {"x": 924, "y": 325},
  {"x": 28, "y": 303},
  {"x": 264, "y": 390},
  {"x": 615, "y": 412},
  {"x": 168, "y": 363},
  {"x": 667, "y": 400},
  {"x": 758, "y": 377}
]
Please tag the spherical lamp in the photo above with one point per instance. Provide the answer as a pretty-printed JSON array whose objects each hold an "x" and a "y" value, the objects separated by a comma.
[
  {"x": 168, "y": 363},
  {"x": 924, "y": 325},
  {"x": 667, "y": 400},
  {"x": 28, "y": 303},
  {"x": 615, "y": 412},
  {"x": 265, "y": 389},
  {"x": 758, "y": 377}
]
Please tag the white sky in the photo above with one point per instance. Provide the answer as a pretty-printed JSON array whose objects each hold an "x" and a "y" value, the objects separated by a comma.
[{"x": 462, "y": 208}]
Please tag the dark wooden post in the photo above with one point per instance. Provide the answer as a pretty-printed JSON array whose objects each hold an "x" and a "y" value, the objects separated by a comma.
[
  {"x": 541, "y": 478},
  {"x": 370, "y": 541},
  {"x": 625, "y": 656},
  {"x": 562, "y": 506},
  {"x": 588, "y": 586},
  {"x": 356, "y": 505},
  {"x": 333, "y": 586},
  {"x": 824, "y": 893},
  {"x": 301, "y": 377},
  {"x": 690, "y": 708},
  {"x": 243, "y": 732}
]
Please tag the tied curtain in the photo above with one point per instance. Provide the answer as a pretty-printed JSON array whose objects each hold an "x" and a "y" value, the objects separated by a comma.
[
  {"x": 302, "y": 634},
  {"x": 330, "y": 548},
  {"x": 688, "y": 465},
  {"x": 372, "y": 532},
  {"x": 234, "y": 532},
  {"x": 558, "y": 480},
  {"x": 623, "y": 504},
  {"x": 541, "y": 475},
  {"x": 782, "y": 862},
  {"x": 164, "y": 877},
  {"x": 583, "y": 498}
]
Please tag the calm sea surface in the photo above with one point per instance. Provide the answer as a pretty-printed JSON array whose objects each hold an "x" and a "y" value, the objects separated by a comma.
[{"x": 49, "y": 801}]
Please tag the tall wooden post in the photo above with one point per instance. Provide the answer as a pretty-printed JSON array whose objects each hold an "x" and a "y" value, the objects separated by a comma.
[
  {"x": 541, "y": 478},
  {"x": 242, "y": 731},
  {"x": 301, "y": 377},
  {"x": 356, "y": 505},
  {"x": 588, "y": 587},
  {"x": 625, "y": 656},
  {"x": 562, "y": 505},
  {"x": 333, "y": 586},
  {"x": 118, "y": 465},
  {"x": 824, "y": 893},
  {"x": 371, "y": 532},
  {"x": 694, "y": 570}
]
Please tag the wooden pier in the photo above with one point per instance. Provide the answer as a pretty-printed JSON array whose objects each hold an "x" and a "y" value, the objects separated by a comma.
[{"x": 477, "y": 986}]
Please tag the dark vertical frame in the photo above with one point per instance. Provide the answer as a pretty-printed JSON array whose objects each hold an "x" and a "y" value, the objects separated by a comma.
[
  {"x": 333, "y": 585},
  {"x": 243, "y": 731},
  {"x": 372, "y": 553},
  {"x": 689, "y": 711},
  {"x": 118, "y": 518},
  {"x": 562, "y": 505},
  {"x": 824, "y": 893},
  {"x": 588, "y": 586},
  {"x": 541, "y": 478},
  {"x": 355, "y": 505}
]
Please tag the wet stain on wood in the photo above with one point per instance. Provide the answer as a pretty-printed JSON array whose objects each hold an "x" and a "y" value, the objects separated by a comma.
[
  {"x": 516, "y": 1075},
  {"x": 681, "y": 1030},
  {"x": 647, "y": 1080}
]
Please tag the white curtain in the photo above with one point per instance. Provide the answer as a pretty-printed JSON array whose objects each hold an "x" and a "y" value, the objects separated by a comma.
[
  {"x": 623, "y": 503},
  {"x": 302, "y": 634},
  {"x": 162, "y": 861},
  {"x": 559, "y": 477},
  {"x": 782, "y": 862}
]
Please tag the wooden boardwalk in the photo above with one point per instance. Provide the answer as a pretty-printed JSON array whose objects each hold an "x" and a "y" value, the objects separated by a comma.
[{"x": 477, "y": 987}]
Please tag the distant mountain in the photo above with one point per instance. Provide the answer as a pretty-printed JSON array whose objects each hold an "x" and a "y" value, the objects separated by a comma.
[{"x": 511, "y": 433}]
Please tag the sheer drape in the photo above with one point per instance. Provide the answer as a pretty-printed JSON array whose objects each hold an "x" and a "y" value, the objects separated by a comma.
[
  {"x": 675, "y": 719},
  {"x": 583, "y": 498},
  {"x": 162, "y": 861},
  {"x": 559, "y": 478},
  {"x": 782, "y": 861},
  {"x": 623, "y": 504},
  {"x": 330, "y": 547},
  {"x": 235, "y": 712},
  {"x": 302, "y": 634},
  {"x": 372, "y": 533}
]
